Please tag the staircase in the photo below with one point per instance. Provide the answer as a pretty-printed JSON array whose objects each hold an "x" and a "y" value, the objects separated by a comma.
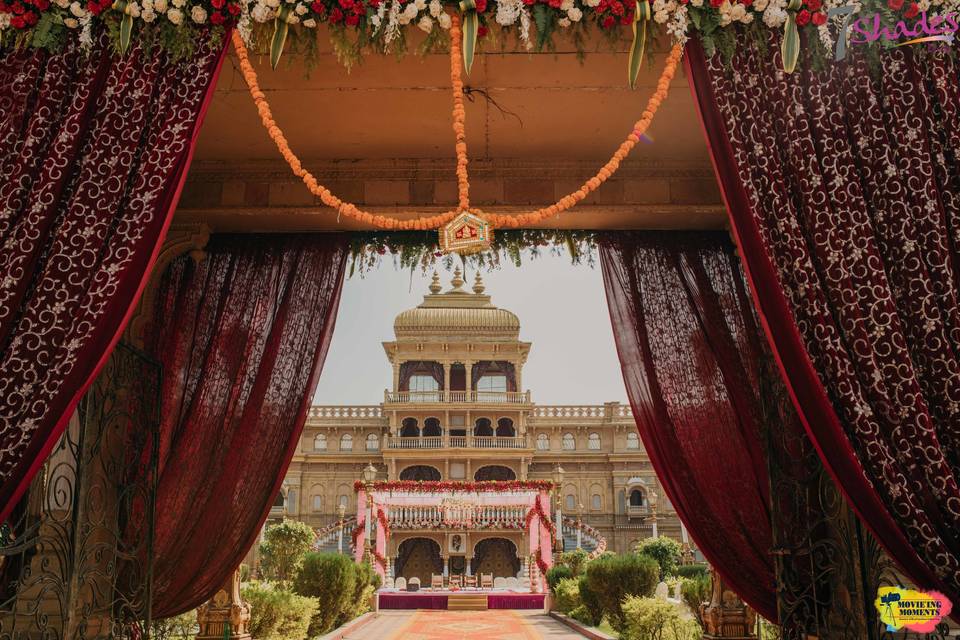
[
  {"x": 467, "y": 602},
  {"x": 327, "y": 538},
  {"x": 590, "y": 539}
]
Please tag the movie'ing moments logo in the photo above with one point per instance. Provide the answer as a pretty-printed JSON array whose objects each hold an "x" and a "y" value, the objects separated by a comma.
[{"x": 915, "y": 27}]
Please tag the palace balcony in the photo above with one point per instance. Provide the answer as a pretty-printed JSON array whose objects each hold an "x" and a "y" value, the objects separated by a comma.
[
  {"x": 445, "y": 397},
  {"x": 457, "y": 442}
]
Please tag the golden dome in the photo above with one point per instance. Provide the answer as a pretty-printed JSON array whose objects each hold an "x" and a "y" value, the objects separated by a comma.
[{"x": 457, "y": 311}]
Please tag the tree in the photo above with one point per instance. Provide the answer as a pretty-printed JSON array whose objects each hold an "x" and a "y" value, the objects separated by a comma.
[
  {"x": 610, "y": 579},
  {"x": 336, "y": 581},
  {"x": 666, "y": 551},
  {"x": 283, "y": 549}
]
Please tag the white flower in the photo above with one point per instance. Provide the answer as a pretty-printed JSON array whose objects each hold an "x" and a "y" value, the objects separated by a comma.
[
  {"x": 575, "y": 14},
  {"x": 148, "y": 15},
  {"x": 758, "y": 5},
  {"x": 699, "y": 3},
  {"x": 421, "y": 4},
  {"x": 77, "y": 9},
  {"x": 661, "y": 16},
  {"x": 426, "y": 24},
  {"x": 410, "y": 11},
  {"x": 564, "y": 22},
  {"x": 310, "y": 23},
  {"x": 273, "y": 4},
  {"x": 591, "y": 3},
  {"x": 133, "y": 9},
  {"x": 301, "y": 9},
  {"x": 160, "y": 6},
  {"x": 146, "y": 4},
  {"x": 566, "y": 5},
  {"x": 179, "y": 4},
  {"x": 63, "y": 4},
  {"x": 175, "y": 15},
  {"x": 198, "y": 14},
  {"x": 435, "y": 8},
  {"x": 375, "y": 20},
  {"x": 261, "y": 13},
  {"x": 444, "y": 20},
  {"x": 4, "y": 21},
  {"x": 71, "y": 23}
]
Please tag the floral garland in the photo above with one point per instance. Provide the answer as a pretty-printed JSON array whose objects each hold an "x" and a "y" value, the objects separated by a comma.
[
  {"x": 379, "y": 559},
  {"x": 384, "y": 523},
  {"x": 440, "y": 486},
  {"x": 537, "y": 510},
  {"x": 356, "y": 533}
]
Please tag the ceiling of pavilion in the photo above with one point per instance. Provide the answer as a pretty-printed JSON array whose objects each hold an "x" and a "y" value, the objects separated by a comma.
[{"x": 387, "y": 113}]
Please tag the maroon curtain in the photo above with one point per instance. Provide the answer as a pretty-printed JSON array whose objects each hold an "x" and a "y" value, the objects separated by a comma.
[
  {"x": 242, "y": 337},
  {"x": 494, "y": 367},
  {"x": 93, "y": 153},
  {"x": 842, "y": 187},
  {"x": 690, "y": 353},
  {"x": 420, "y": 368}
]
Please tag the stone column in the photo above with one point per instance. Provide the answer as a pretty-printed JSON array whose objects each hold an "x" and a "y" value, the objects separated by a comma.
[
  {"x": 446, "y": 376},
  {"x": 726, "y": 616},
  {"x": 468, "y": 370},
  {"x": 226, "y": 615},
  {"x": 446, "y": 566},
  {"x": 396, "y": 376}
]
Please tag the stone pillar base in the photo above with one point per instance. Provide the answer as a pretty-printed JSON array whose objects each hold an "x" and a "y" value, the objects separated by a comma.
[{"x": 226, "y": 610}]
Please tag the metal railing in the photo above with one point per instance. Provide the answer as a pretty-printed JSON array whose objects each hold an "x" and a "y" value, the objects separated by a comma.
[{"x": 475, "y": 397}]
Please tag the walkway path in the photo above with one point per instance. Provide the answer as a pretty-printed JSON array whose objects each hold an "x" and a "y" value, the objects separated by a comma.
[{"x": 463, "y": 625}]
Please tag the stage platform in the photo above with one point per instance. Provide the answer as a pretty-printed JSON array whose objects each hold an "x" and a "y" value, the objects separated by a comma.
[{"x": 464, "y": 600}]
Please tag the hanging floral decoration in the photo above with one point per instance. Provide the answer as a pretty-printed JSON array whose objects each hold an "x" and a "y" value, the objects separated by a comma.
[
  {"x": 537, "y": 511},
  {"x": 384, "y": 523},
  {"x": 379, "y": 559},
  {"x": 456, "y": 486}
]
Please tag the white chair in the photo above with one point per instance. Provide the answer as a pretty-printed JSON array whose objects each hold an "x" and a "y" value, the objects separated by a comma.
[
  {"x": 400, "y": 584},
  {"x": 413, "y": 584},
  {"x": 388, "y": 583},
  {"x": 512, "y": 583},
  {"x": 499, "y": 583}
]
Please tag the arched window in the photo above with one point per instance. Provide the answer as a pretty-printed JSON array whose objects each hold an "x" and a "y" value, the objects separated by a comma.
[
  {"x": 280, "y": 500},
  {"x": 637, "y": 498},
  {"x": 505, "y": 428},
  {"x": 593, "y": 442},
  {"x": 569, "y": 444},
  {"x": 346, "y": 442},
  {"x": 316, "y": 503},
  {"x": 483, "y": 427},
  {"x": 344, "y": 500},
  {"x": 596, "y": 502},
  {"x": 291, "y": 500},
  {"x": 543, "y": 442},
  {"x": 494, "y": 472},
  {"x": 320, "y": 442},
  {"x": 633, "y": 440},
  {"x": 422, "y": 472},
  {"x": 431, "y": 428},
  {"x": 409, "y": 428},
  {"x": 570, "y": 502},
  {"x": 373, "y": 442},
  {"x": 423, "y": 383}
]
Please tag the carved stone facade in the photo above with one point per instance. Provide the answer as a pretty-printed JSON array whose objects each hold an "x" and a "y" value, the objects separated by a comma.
[{"x": 457, "y": 411}]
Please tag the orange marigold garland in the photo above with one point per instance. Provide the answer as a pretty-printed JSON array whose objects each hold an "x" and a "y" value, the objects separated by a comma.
[{"x": 424, "y": 223}]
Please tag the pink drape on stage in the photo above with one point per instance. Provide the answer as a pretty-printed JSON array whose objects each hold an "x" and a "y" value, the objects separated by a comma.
[
  {"x": 690, "y": 353},
  {"x": 94, "y": 149},
  {"x": 242, "y": 336},
  {"x": 843, "y": 189}
]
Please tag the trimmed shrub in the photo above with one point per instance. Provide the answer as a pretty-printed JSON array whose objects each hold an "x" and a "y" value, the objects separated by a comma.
[
  {"x": 284, "y": 546},
  {"x": 331, "y": 578},
  {"x": 556, "y": 573},
  {"x": 277, "y": 614},
  {"x": 692, "y": 570},
  {"x": 613, "y": 578},
  {"x": 181, "y": 627},
  {"x": 567, "y": 595},
  {"x": 592, "y": 611},
  {"x": 655, "y": 619},
  {"x": 368, "y": 581},
  {"x": 575, "y": 560},
  {"x": 694, "y": 592},
  {"x": 666, "y": 551}
]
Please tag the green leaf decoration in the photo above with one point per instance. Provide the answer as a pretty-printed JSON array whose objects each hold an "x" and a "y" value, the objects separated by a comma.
[
  {"x": 641, "y": 16},
  {"x": 280, "y": 30},
  {"x": 126, "y": 25},
  {"x": 471, "y": 26},
  {"x": 790, "y": 46}
]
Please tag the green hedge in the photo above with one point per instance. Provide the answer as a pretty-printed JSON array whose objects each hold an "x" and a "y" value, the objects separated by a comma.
[
  {"x": 655, "y": 619},
  {"x": 277, "y": 614},
  {"x": 692, "y": 570},
  {"x": 567, "y": 595},
  {"x": 610, "y": 579},
  {"x": 342, "y": 586},
  {"x": 556, "y": 573}
]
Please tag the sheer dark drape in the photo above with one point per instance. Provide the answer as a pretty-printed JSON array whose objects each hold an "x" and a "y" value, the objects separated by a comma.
[
  {"x": 242, "y": 337},
  {"x": 418, "y": 368},
  {"x": 496, "y": 368},
  {"x": 690, "y": 353},
  {"x": 842, "y": 187},
  {"x": 93, "y": 153}
]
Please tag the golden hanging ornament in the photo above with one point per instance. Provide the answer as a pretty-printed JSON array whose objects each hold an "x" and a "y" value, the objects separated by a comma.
[{"x": 467, "y": 233}]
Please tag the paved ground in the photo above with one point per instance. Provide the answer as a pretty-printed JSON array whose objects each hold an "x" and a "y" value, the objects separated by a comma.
[{"x": 463, "y": 625}]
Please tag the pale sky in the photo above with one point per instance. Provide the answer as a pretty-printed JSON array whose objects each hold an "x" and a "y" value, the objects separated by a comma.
[{"x": 562, "y": 309}]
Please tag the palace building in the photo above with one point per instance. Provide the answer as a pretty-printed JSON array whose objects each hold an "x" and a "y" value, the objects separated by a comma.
[{"x": 458, "y": 412}]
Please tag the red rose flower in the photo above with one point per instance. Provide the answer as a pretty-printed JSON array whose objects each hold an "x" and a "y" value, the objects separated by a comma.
[
  {"x": 353, "y": 20},
  {"x": 529, "y": 1},
  {"x": 716, "y": 3},
  {"x": 336, "y": 15},
  {"x": 318, "y": 7},
  {"x": 17, "y": 22},
  {"x": 814, "y": 5},
  {"x": 217, "y": 4},
  {"x": 42, "y": 5},
  {"x": 482, "y": 31},
  {"x": 554, "y": 3},
  {"x": 895, "y": 5},
  {"x": 608, "y": 22},
  {"x": 217, "y": 18},
  {"x": 912, "y": 11},
  {"x": 803, "y": 17},
  {"x": 819, "y": 18},
  {"x": 481, "y": 6},
  {"x": 233, "y": 8}
]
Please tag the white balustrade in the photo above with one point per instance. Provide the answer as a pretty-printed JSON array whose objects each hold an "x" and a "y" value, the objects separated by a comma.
[
  {"x": 478, "y": 397},
  {"x": 346, "y": 411}
]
